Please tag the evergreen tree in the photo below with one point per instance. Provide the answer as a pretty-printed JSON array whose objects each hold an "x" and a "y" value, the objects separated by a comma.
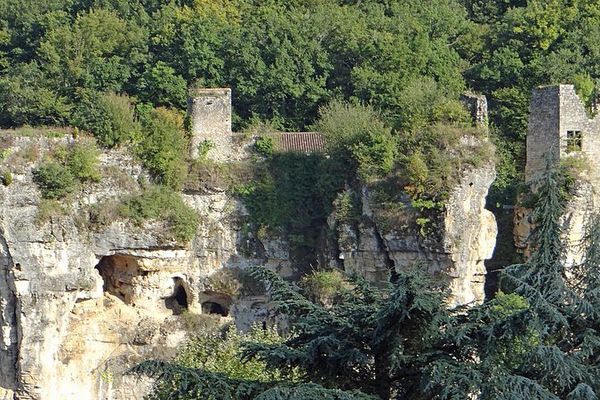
[{"x": 536, "y": 342}]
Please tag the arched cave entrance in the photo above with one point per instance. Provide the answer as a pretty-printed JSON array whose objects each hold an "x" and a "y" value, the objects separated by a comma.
[
  {"x": 210, "y": 307},
  {"x": 179, "y": 301},
  {"x": 216, "y": 303},
  {"x": 118, "y": 273}
]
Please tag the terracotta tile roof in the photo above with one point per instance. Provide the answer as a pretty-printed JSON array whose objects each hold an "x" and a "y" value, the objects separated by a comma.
[{"x": 298, "y": 142}]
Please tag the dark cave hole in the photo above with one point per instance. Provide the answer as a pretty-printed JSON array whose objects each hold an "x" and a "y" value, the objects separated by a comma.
[
  {"x": 210, "y": 307},
  {"x": 118, "y": 273},
  {"x": 178, "y": 302}
]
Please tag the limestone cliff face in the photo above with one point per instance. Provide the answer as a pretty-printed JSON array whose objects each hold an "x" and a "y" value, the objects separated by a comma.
[
  {"x": 79, "y": 304},
  {"x": 453, "y": 246},
  {"x": 578, "y": 209}
]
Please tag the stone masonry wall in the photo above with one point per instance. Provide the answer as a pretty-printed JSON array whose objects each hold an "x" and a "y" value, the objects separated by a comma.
[
  {"x": 554, "y": 110},
  {"x": 573, "y": 116},
  {"x": 209, "y": 111},
  {"x": 543, "y": 129}
]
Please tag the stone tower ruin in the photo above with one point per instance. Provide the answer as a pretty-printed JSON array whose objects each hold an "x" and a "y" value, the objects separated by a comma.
[
  {"x": 209, "y": 111},
  {"x": 560, "y": 126}
]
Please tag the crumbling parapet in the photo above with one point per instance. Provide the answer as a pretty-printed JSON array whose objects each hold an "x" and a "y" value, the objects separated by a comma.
[
  {"x": 477, "y": 106},
  {"x": 209, "y": 111}
]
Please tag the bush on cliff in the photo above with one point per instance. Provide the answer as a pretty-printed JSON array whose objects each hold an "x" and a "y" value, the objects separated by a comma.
[
  {"x": 54, "y": 180},
  {"x": 161, "y": 203},
  {"x": 108, "y": 116},
  {"x": 163, "y": 146},
  {"x": 66, "y": 166}
]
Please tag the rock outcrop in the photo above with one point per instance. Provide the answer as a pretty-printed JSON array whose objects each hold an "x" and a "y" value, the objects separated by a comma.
[
  {"x": 81, "y": 303},
  {"x": 454, "y": 246}
]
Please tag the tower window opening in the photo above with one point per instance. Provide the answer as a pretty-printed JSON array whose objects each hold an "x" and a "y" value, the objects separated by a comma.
[{"x": 574, "y": 141}]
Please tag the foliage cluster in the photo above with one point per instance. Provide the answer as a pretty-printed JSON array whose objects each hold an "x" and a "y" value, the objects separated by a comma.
[
  {"x": 110, "y": 117},
  {"x": 164, "y": 145},
  {"x": 409, "y": 59},
  {"x": 161, "y": 203},
  {"x": 264, "y": 146},
  {"x": 289, "y": 58},
  {"x": 58, "y": 175},
  {"x": 293, "y": 193},
  {"x": 425, "y": 160},
  {"x": 323, "y": 286}
]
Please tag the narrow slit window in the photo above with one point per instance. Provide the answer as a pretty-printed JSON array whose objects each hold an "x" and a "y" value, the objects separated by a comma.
[{"x": 574, "y": 141}]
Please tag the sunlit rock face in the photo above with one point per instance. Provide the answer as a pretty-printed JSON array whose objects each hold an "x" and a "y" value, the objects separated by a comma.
[
  {"x": 452, "y": 246},
  {"x": 80, "y": 303}
]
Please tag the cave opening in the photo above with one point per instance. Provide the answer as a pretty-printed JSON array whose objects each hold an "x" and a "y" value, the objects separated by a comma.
[
  {"x": 179, "y": 301},
  {"x": 216, "y": 303},
  {"x": 118, "y": 273},
  {"x": 210, "y": 307}
]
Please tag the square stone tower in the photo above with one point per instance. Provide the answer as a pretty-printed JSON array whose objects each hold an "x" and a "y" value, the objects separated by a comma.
[
  {"x": 560, "y": 126},
  {"x": 209, "y": 111}
]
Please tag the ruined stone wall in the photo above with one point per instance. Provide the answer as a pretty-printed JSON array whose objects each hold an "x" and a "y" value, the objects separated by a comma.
[
  {"x": 543, "y": 129},
  {"x": 555, "y": 110},
  {"x": 477, "y": 106},
  {"x": 573, "y": 117},
  {"x": 209, "y": 111}
]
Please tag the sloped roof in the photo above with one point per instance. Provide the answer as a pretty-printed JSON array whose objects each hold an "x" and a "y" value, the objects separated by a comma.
[{"x": 298, "y": 142}]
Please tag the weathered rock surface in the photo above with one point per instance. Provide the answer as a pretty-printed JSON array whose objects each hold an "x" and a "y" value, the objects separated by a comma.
[
  {"x": 455, "y": 246},
  {"x": 80, "y": 304},
  {"x": 578, "y": 210}
]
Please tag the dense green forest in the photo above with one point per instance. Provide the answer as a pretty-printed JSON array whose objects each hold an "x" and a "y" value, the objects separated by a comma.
[
  {"x": 381, "y": 79},
  {"x": 60, "y": 59}
]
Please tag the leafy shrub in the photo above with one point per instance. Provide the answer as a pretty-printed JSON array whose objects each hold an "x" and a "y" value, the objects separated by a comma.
[
  {"x": 435, "y": 157},
  {"x": 347, "y": 208},
  {"x": 82, "y": 161},
  {"x": 66, "y": 166},
  {"x": 204, "y": 147},
  {"x": 356, "y": 134},
  {"x": 324, "y": 286},
  {"x": 54, "y": 180},
  {"x": 223, "y": 354},
  {"x": 26, "y": 99},
  {"x": 162, "y": 86},
  {"x": 108, "y": 116},
  {"x": 452, "y": 112},
  {"x": 417, "y": 173},
  {"x": 164, "y": 145},
  {"x": 375, "y": 154},
  {"x": 264, "y": 146},
  {"x": 49, "y": 208},
  {"x": 7, "y": 178},
  {"x": 584, "y": 86},
  {"x": 161, "y": 203}
]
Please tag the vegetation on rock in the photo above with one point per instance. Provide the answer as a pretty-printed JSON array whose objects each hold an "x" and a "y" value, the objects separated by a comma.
[
  {"x": 538, "y": 339},
  {"x": 162, "y": 204},
  {"x": 57, "y": 176}
]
